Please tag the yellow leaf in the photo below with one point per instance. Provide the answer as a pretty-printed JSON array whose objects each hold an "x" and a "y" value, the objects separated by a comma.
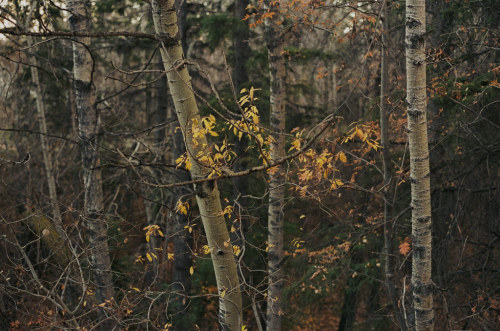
[
  {"x": 206, "y": 249},
  {"x": 223, "y": 293},
  {"x": 160, "y": 233},
  {"x": 236, "y": 250},
  {"x": 149, "y": 257},
  {"x": 302, "y": 216},
  {"x": 136, "y": 289},
  {"x": 191, "y": 270},
  {"x": 147, "y": 238},
  {"x": 170, "y": 256},
  {"x": 342, "y": 157},
  {"x": 233, "y": 229},
  {"x": 188, "y": 165},
  {"x": 295, "y": 145}
]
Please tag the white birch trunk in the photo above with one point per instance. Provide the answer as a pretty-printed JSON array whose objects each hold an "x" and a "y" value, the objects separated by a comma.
[
  {"x": 88, "y": 129},
  {"x": 207, "y": 194},
  {"x": 274, "y": 41},
  {"x": 419, "y": 165}
]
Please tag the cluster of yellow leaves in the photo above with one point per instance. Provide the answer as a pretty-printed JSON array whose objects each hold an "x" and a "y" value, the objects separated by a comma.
[
  {"x": 208, "y": 127},
  {"x": 366, "y": 133},
  {"x": 318, "y": 166},
  {"x": 152, "y": 230},
  {"x": 184, "y": 159},
  {"x": 218, "y": 157},
  {"x": 182, "y": 207}
]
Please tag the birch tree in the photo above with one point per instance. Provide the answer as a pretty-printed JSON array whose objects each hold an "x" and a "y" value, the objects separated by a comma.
[
  {"x": 88, "y": 131},
  {"x": 419, "y": 165},
  {"x": 207, "y": 193},
  {"x": 274, "y": 42}
]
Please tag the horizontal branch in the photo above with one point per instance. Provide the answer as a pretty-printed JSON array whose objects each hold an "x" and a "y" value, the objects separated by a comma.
[
  {"x": 227, "y": 173},
  {"x": 68, "y": 34}
]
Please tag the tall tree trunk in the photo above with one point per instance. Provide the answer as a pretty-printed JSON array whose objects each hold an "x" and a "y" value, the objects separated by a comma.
[
  {"x": 47, "y": 158},
  {"x": 88, "y": 131},
  {"x": 274, "y": 41},
  {"x": 386, "y": 164},
  {"x": 419, "y": 166},
  {"x": 207, "y": 193},
  {"x": 40, "y": 108}
]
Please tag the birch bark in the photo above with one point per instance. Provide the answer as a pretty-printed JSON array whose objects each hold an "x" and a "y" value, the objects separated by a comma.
[
  {"x": 207, "y": 194},
  {"x": 419, "y": 165},
  {"x": 88, "y": 131},
  {"x": 274, "y": 42}
]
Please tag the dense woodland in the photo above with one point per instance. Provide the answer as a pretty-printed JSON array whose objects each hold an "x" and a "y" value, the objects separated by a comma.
[{"x": 249, "y": 165}]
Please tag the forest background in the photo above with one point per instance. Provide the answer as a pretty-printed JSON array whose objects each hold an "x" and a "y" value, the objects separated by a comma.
[{"x": 100, "y": 221}]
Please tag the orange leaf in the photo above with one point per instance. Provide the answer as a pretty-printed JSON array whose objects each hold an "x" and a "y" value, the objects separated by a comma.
[{"x": 405, "y": 247}]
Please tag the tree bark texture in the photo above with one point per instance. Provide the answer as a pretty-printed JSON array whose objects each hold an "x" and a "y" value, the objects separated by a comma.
[
  {"x": 386, "y": 168},
  {"x": 419, "y": 165},
  {"x": 207, "y": 193},
  {"x": 274, "y": 41},
  {"x": 88, "y": 131}
]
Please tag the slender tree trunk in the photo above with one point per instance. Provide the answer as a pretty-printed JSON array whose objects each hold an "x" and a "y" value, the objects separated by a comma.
[
  {"x": 207, "y": 194},
  {"x": 274, "y": 41},
  {"x": 40, "y": 108},
  {"x": 88, "y": 131},
  {"x": 419, "y": 166},
  {"x": 47, "y": 158},
  {"x": 386, "y": 164}
]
